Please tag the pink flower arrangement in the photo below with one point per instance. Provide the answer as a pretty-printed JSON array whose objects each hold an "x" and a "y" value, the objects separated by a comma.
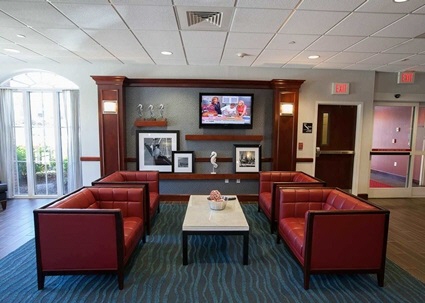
[{"x": 215, "y": 195}]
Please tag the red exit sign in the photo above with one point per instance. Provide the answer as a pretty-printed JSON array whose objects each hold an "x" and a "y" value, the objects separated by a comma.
[
  {"x": 406, "y": 77},
  {"x": 340, "y": 88}
]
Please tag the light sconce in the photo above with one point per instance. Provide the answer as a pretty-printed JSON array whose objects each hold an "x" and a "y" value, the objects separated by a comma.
[
  {"x": 110, "y": 106},
  {"x": 286, "y": 109}
]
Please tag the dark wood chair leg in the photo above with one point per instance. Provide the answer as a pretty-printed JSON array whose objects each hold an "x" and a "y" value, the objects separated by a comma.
[
  {"x": 3, "y": 204},
  {"x": 306, "y": 280},
  {"x": 380, "y": 276},
  {"x": 40, "y": 281}
]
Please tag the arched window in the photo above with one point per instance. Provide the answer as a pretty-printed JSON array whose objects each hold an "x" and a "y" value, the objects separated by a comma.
[{"x": 39, "y": 153}]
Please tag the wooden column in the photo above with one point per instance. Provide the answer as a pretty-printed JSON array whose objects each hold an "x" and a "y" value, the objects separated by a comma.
[
  {"x": 112, "y": 138},
  {"x": 285, "y": 128}
]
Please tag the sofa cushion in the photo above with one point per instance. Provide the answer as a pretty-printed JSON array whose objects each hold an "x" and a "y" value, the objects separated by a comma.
[
  {"x": 132, "y": 227},
  {"x": 293, "y": 231},
  {"x": 81, "y": 199},
  {"x": 340, "y": 200}
]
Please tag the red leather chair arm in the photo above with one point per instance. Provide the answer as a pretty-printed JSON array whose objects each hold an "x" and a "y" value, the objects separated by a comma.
[
  {"x": 71, "y": 239},
  {"x": 345, "y": 239}
]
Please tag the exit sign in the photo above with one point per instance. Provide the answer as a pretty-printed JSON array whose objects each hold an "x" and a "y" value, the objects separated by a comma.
[
  {"x": 340, "y": 88},
  {"x": 406, "y": 77}
]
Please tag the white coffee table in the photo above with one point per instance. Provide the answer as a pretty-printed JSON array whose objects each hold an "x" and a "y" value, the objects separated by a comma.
[{"x": 201, "y": 220}]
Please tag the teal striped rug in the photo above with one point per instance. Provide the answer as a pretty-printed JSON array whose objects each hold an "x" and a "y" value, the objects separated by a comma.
[{"x": 215, "y": 273}]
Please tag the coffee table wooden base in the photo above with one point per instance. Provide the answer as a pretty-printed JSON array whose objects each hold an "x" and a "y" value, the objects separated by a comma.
[{"x": 245, "y": 235}]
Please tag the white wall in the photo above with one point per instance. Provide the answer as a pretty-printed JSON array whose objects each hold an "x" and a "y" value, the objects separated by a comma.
[{"x": 317, "y": 87}]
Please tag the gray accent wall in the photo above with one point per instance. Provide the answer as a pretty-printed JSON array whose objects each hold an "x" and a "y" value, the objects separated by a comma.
[{"x": 181, "y": 112}]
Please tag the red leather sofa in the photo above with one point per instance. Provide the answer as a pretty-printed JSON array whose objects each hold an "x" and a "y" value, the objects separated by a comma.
[
  {"x": 268, "y": 192},
  {"x": 127, "y": 178},
  {"x": 91, "y": 230},
  {"x": 329, "y": 230}
]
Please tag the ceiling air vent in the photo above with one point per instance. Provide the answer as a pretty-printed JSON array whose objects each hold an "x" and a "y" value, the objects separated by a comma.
[{"x": 215, "y": 18}]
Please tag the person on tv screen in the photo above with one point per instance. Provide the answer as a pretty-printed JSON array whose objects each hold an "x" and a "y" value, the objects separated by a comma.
[
  {"x": 213, "y": 108},
  {"x": 241, "y": 108},
  {"x": 229, "y": 110}
]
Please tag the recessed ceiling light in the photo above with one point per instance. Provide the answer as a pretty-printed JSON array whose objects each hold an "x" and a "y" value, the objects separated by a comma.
[
  {"x": 20, "y": 36},
  {"x": 400, "y": 1},
  {"x": 166, "y": 53},
  {"x": 314, "y": 57},
  {"x": 11, "y": 50}
]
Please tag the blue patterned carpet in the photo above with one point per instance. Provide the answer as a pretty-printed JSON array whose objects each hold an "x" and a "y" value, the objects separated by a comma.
[{"x": 215, "y": 273}]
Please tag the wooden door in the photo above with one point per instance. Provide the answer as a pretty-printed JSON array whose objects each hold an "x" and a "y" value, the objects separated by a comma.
[{"x": 336, "y": 137}]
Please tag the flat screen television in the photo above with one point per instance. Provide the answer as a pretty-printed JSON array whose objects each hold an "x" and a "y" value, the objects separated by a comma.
[{"x": 231, "y": 111}]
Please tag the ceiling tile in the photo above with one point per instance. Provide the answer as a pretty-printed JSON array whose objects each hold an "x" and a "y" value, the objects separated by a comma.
[
  {"x": 363, "y": 24},
  {"x": 292, "y": 42},
  {"x": 330, "y": 5},
  {"x": 271, "y": 20},
  {"x": 375, "y": 44},
  {"x": 318, "y": 22},
  {"x": 140, "y": 17},
  {"x": 348, "y": 57},
  {"x": 333, "y": 43},
  {"x": 160, "y": 40},
  {"x": 385, "y": 6},
  {"x": 275, "y": 57},
  {"x": 223, "y": 3},
  {"x": 93, "y": 16},
  {"x": 383, "y": 59},
  {"x": 204, "y": 39},
  {"x": 36, "y": 14},
  {"x": 247, "y": 40},
  {"x": 303, "y": 56},
  {"x": 279, "y": 4},
  {"x": 409, "y": 26},
  {"x": 413, "y": 46}
]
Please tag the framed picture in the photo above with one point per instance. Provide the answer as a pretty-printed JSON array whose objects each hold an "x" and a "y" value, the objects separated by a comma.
[
  {"x": 183, "y": 162},
  {"x": 155, "y": 149},
  {"x": 247, "y": 158}
]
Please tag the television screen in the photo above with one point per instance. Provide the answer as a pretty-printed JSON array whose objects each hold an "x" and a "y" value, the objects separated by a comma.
[{"x": 225, "y": 110}]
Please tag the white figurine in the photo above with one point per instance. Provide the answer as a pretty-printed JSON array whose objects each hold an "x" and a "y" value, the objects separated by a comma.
[
  {"x": 151, "y": 111},
  {"x": 161, "y": 111},
  {"x": 140, "y": 110},
  {"x": 213, "y": 159}
]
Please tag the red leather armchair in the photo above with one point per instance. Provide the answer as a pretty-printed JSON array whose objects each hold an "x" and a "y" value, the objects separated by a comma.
[
  {"x": 129, "y": 178},
  {"x": 329, "y": 230},
  {"x": 268, "y": 193},
  {"x": 92, "y": 230}
]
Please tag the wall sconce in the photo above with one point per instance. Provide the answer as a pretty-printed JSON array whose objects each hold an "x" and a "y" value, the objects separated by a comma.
[
  {"x": 110, "y": 106},
  {"x": 286, "y": 109}
]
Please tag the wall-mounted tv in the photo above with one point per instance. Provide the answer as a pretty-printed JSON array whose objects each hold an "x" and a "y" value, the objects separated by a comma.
[{"x": 218, "y": 110}]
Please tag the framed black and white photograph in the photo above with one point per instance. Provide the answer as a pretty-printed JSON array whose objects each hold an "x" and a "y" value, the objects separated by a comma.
[
  {"x": 247, "y": 158},
  {"x": 183, "y": 161},
  {"x": 155, "y": 149}
]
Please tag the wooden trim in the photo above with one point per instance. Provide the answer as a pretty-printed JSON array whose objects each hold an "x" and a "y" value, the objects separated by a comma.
[
  {"x": 301, "y": 160},
  {"x": 88, "y": 159},
  {"x": 151, "y": 123},
  {"x": 182, "y": 176},
  {"x": 224, "y": 137},
  {"x": 250, "y": 84}
]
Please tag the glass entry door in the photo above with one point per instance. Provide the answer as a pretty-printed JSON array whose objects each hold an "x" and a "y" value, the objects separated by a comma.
[
  {"x": 397, "y": 158},
  {"x": 37, "y": 135}
]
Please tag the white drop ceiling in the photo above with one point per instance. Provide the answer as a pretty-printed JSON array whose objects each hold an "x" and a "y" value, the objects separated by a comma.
[{"x": 376, "y": 35}]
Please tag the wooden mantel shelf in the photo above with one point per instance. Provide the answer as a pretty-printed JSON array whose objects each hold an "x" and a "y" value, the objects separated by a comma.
[
  {"x": 177, "y": 176},
  {"x": 224, "y": 137},
  {"x": 151, "y": 123}
]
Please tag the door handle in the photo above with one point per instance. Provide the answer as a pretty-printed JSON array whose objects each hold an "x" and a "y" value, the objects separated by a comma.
[
  {"x": 337, "y": 152},
  {"x": 317, "y": 152}
]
